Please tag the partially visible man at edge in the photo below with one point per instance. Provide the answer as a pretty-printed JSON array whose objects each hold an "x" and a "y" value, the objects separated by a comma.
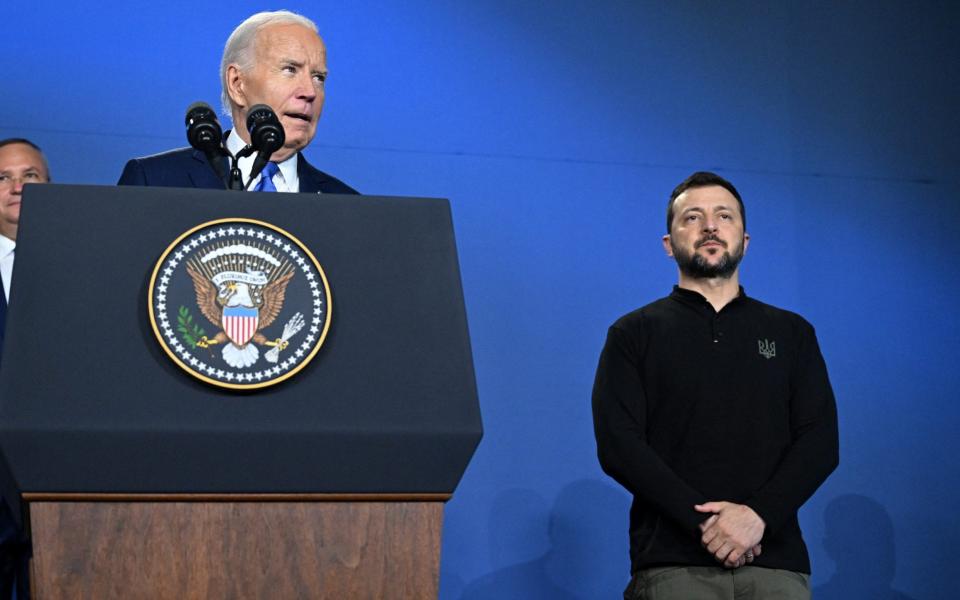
[
  {"x": 273, "y": 58},
  {"x": 21, "y": 162},
  {"x": 715, "y": 411}
]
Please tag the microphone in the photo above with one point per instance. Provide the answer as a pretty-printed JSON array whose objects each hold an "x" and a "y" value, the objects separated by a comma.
[
  {"x": 205, "y": 134},
  {"x": 266, "y": 136},
  {"x": 203, "y": 128}
]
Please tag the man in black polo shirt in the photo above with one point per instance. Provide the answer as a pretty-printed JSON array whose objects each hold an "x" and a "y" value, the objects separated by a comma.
[{"x": 715, "y": 411}]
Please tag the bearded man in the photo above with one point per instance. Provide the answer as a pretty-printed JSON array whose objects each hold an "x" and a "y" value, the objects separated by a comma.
[{"x": 715, "y": 411}]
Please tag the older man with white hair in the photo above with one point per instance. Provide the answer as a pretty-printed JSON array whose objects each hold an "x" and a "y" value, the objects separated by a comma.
[{"x": 273, "y": 58}]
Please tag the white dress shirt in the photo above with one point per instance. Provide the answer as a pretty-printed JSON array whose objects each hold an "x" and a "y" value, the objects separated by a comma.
[
  {"x": 285, "y": 180},
  {"x": 6, "y": 262}
]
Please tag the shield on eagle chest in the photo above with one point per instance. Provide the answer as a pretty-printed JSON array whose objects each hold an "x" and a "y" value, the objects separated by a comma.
[{"x": 240, "y": 323}]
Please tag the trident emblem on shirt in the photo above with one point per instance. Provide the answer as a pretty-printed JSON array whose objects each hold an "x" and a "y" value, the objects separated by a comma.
[{"x": 768, "y": 349}]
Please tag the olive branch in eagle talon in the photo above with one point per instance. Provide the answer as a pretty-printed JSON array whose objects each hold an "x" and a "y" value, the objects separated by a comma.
[
  {"x": 213, "y": 302},
  {"x": 190, "y": 332}
]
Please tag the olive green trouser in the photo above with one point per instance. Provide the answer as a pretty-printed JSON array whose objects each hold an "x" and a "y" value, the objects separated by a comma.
[{"x": 717, "y": 583}]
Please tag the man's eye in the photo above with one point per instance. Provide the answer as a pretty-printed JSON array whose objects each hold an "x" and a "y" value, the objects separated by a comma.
[
  {"x": 289, "y": 69},
  {"x": 4, "y": 177},
  {"x": 31, "y": 177}
]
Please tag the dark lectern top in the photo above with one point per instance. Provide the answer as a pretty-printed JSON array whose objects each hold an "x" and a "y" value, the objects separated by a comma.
[{"x": 89, "y": 402}]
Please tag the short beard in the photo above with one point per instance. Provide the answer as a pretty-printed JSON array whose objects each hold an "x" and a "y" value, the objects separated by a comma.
[{"x": 695, "y": 266}]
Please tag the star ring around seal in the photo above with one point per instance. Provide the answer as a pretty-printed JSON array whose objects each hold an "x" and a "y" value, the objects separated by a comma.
[{"x": 239, "y": 303}]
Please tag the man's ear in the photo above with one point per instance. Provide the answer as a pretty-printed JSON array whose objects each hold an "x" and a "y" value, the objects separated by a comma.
[
  {"x": 666, "y": 245},
  {"x": 234, "y": 84}
]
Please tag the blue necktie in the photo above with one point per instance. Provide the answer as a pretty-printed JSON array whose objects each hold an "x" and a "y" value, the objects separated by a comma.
[{"x": 266, "y": 178}]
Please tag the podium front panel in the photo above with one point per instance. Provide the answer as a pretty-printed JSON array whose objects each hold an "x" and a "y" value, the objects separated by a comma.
[{"x": 89, "y": 402}]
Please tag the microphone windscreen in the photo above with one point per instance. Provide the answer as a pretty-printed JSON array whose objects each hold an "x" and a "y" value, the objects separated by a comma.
[
  {"x": 200, "y": 110},
  {"x": 203, "y": 128},
  {"x": 266, "y": 132}
]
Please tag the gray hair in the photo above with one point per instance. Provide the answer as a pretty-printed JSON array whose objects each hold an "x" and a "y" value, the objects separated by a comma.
[{"x": 240, "y": 50}]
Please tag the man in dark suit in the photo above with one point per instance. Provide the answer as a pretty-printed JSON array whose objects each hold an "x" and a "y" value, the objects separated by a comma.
[
  {"x": 21, "y": 162},
  {"x": 273, "y": 58}
]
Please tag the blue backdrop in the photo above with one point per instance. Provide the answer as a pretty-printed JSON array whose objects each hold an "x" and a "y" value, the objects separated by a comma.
[{"x": 557, "y": 129}]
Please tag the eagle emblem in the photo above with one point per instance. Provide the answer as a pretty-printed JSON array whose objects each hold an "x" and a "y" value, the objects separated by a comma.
[
  {"x": 240, "y": 303},
  {"x": 245, "y": 278}
]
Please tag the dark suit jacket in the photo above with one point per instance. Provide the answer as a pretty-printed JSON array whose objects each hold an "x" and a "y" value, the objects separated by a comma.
[
  {"x": 14, "y": 544},
  {"x": 3, "y": 314},
  {"x": 186, "y": 167}
]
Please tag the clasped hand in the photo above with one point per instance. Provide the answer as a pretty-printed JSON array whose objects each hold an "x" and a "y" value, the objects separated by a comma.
[{"x": 732, "y": 533}]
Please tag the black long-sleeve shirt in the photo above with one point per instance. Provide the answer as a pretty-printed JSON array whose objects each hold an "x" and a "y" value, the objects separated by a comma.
[{"x": 693, "y": 405}]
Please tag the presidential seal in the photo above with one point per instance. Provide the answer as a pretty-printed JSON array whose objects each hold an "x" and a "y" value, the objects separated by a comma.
[{"x": 239, "y": 303}]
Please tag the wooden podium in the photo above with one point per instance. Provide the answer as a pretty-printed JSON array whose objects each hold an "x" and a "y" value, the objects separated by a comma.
[
  {"x": 135, "y": 480},
  {"x": 232, "y": 546}
]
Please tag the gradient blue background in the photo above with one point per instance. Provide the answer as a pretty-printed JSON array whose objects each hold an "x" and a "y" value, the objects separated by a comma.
[{"x": 557, "y": 130}]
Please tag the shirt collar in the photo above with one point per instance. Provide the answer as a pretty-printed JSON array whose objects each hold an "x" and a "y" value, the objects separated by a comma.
[
  {"x": 6, "y": 246},
  {"x": 697, "y": 300}
]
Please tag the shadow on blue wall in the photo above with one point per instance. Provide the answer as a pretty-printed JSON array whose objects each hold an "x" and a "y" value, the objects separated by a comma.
[
  {"x": 859, "y": 540},
  {"x": 584, "y": 555}
]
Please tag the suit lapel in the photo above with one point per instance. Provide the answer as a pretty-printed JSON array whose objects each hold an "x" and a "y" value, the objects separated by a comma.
[
  {"x": 313, "y": 180},
  {"x": 310, "y": 179}
]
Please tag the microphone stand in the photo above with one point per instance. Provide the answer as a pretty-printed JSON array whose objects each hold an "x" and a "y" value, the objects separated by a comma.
[
  {"x": 236, "y": 179},
  {"x": 215, "y": 157},
  {"x": 263, "y": 157}
]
